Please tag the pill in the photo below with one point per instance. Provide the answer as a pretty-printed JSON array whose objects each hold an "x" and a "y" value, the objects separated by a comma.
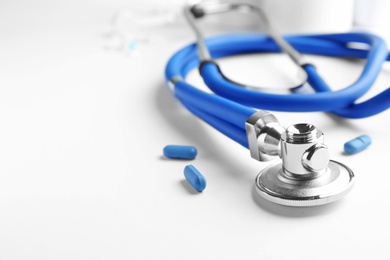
[
  {"x": 358, "y": 144},
  {"x": 195, "y": 178},
  {"x": 180, "y": 151}
]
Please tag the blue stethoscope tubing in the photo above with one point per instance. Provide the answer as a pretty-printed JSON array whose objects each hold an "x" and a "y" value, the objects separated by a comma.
[{"x": 229, "y": 108}]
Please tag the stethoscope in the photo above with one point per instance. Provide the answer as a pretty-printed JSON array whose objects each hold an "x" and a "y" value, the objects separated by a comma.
[{"x": 306, "y": 176}]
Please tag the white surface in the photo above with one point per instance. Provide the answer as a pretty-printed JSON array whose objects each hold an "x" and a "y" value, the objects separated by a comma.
[{"x": 82, "y": 174}]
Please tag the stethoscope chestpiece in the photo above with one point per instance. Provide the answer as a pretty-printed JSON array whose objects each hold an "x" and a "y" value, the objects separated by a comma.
[{"x": 305, "y": 177}]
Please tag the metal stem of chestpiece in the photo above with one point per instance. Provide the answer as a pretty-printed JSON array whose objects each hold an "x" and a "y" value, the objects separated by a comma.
[{"x": 306, "y": 176}]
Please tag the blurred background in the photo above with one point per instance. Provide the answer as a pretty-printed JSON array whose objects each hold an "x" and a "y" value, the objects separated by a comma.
[{"x": 55, "y": 27}]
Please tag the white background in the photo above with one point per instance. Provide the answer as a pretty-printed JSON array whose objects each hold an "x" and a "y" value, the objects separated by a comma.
[{"x": 83, "y": 125}]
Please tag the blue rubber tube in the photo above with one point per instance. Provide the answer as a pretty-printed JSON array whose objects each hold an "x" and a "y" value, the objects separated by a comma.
[
  {"x": 325, "y": 100},
  {"x": 233, "y": 132},
  {"x": 231, "y": 107},
  {"x": 216, "y": 106}
]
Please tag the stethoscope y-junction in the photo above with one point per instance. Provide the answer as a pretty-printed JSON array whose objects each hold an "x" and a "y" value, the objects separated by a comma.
[{"x": 306, "y": 176}]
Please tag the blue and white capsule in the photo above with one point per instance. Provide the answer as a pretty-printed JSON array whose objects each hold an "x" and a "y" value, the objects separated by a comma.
[
  {"x": 180, "y": 152},
  {"x": 195, "y": 178},
  {"x": 358, "y": 144}
]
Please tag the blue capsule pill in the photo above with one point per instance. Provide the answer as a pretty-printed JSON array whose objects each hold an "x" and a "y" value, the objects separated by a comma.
[
  {"x": 358, "y": 144},
  {"x": 195, "y": 178},
  {"x": 180, "y": 151}
]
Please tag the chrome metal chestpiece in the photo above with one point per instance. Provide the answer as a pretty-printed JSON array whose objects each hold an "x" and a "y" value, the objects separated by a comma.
[{"x": 306, "y": 176}]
